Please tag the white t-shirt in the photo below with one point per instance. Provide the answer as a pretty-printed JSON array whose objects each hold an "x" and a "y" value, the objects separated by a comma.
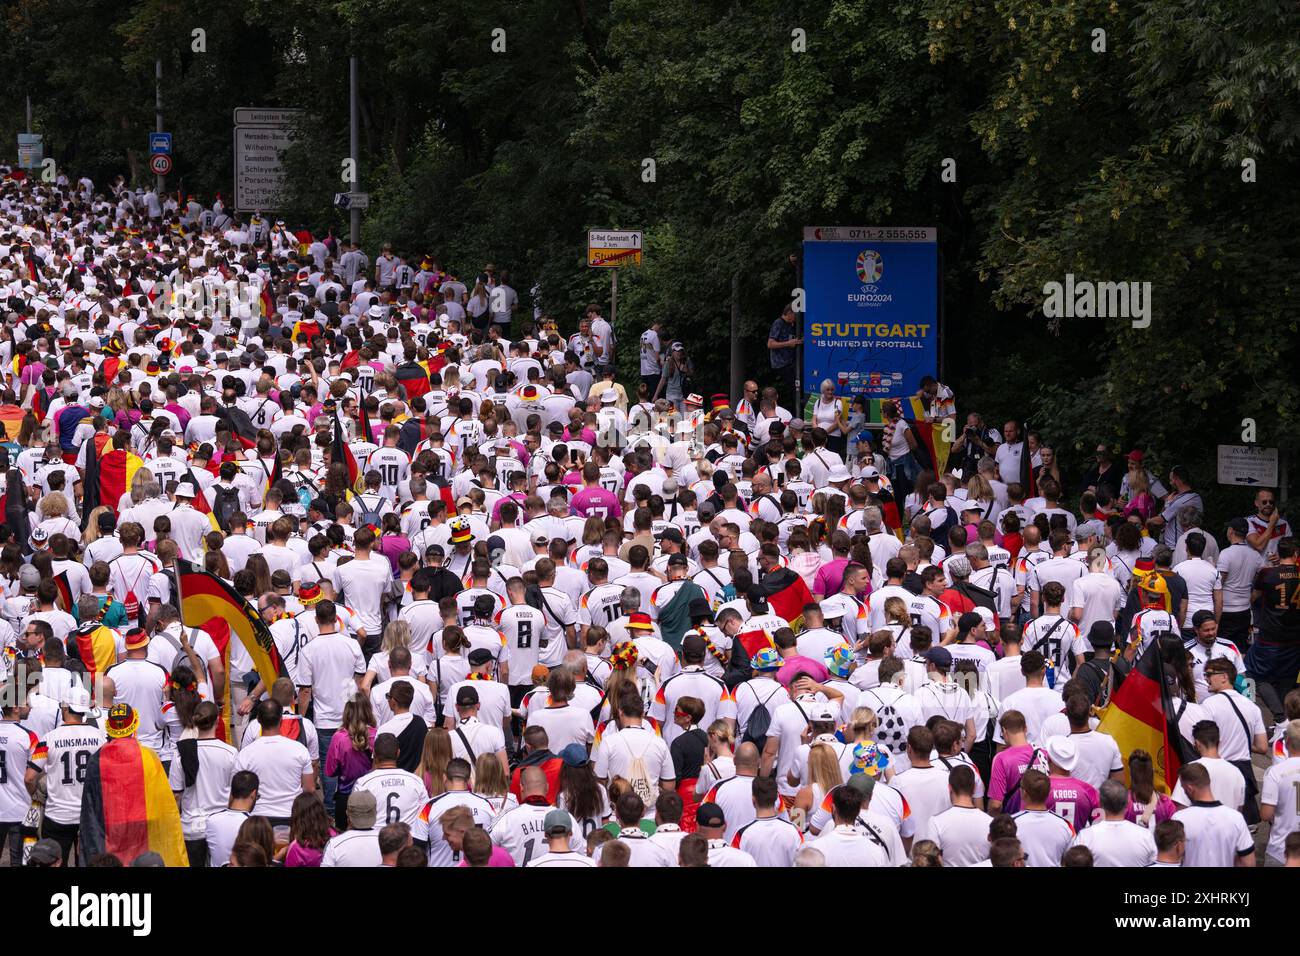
[
  {"x": 1216, "y": 835},
  {"x": 211, "y": 789},
  {"x": 1044, "y": 836},
  {"x": 67, "y": 755},
  {"x": 962, "y": 834},
  {"x": 1233, "y": 721},
  {"x": 520, "y": 833},
  {"x": 1118, "y": 843},
  {"x": 1227, "y": 785},
  {"x": 1281, "y": 784},
  {"x": 926, "y": 791},
  {"x": 399, "y": 794},
  {"x": 353, "y": 848},
  {"x": 280, "y": 765},
  {"x": 327, "y": 665},
  {"x": 1037, "y": 704}
]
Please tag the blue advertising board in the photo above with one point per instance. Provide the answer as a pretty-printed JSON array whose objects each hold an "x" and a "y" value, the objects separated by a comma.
[{"x": 871, "y": 319}]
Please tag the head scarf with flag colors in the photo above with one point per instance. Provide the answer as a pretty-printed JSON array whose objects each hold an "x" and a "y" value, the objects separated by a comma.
[
  {"x": 1141, "y": 716},
  {"x": 127, "y": 805}
]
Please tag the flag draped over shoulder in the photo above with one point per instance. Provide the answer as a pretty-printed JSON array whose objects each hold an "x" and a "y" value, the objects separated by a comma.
[
  {"x": 786, "y": 595},
  {"x": 1140, "y": 715},
  {"x": 127, "y": 806},
  {"x": 63, "y": 591},
  {"x": 95, "y": 646},
  {"x": 116, "y": 470},
  {"x": 414, "y": 377}
]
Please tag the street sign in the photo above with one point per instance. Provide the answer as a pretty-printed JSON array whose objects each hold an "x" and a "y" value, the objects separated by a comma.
[
  {"x": 261, "y": 135},
  {"x": 254, "y": 116},
  {"x": 607, "y": 249},
  {"x": 352, "y": 200},
  {"x": 31, "y": 150},
  {"x": 160, "y": 163},
  {"x": 1248, "y": 465},
  {"x": 160, "y": 143}
]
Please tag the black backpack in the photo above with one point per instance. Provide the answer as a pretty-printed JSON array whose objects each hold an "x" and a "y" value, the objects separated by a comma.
[
  {"x": 760, "y": 720},
  {"x": 225, "y": 505}
]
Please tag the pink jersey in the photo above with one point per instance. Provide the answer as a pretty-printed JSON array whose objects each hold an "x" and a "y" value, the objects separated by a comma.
[
  {"x": 595, "y": 500},
  {"x": 1074, "y": 800},
  {"x": 1008, "y": 766}
]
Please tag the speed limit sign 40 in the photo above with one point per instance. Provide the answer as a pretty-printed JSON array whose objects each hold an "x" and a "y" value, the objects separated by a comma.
[{"x": 160, "y": 163}]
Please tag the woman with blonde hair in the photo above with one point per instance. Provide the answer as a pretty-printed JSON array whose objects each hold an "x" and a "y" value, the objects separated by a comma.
[
  {"x": 396, "y": 634},
  {"x": 434, "y": 759},
  {"x": 53, "y": 512},
  {"x": 719, "y": 762},
  {"x": 350, "y": 753},
  {"x": 821, "y": 775},
  {"x": 92, "y": 534},
  {"x": 897, "y": 620},
  {"x": 493, "y": 785},
  {"x": 979, "y": 494}
]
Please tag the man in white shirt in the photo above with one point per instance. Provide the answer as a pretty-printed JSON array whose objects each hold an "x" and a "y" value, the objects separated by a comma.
[
  {"x": 1113, "y": 840},
  {"x": 1241, "y": 726},
  {"x": 1036, "y": 701},
  {"x": 1278, "y": 796},
  {"x": 1226, "y": 782},
  {"x": 1216, "y": 835},
  {"x": 283, "y": 766},
  {"x": 961, "y": 831},
  {"x": 365, "y": 581},
  {"x": 1204, "y": 586},
  {"x": 328, "y": 668},
  {"x": 923, "y": 785},
  {"x": 1237, "y": 565},
  {"x": 359, "y": 844},
  {"x": 846, "y": 844}
]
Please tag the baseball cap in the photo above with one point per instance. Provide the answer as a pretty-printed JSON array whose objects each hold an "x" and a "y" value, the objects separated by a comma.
[
  {"x": 821, "y": 713},
  {"x": 77, "y": 699},
  {"x": 97, "y": 402},
  {"x": 710, "y": 815},
  {"x": 478, "y": 657},
  {"x": 608, "y": 397},
  {"x": 871, "y": 473},
  {"x": 1135, "y": 455},
  {"x": 575, "y": 755},
  {"x": 1089, "y": 529},
  {"x": 540, "y": 674},
  {"x": 1062, "y": 752},
  {"x": 541, "y": 538},
  {"x": 40, "y": 536},
  {"x": 939, "y": 657},
  {"x": 678, "y": 561},
  {"x": 968, "y": 621},
  {"x": 467, "y": 696},
  {"x": 986, "y": 616},
  {"x": 558, "y": 821},
  {"x": 362, "y": 809},
  {"x": 45, "y": 852},
  {"x": 29, "y": 576},
  {"x": 693, "y": 645}
]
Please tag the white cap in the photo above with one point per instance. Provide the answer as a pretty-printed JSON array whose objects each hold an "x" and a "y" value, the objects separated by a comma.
[
  {"x": 986, "y": 615},
  {"x": 871, "y": 471},
  {"x": 185, "y": 490},
  {"x": 838, "y": 473},
  {"x": 76, "y": 698},
  {"x": 608, "y": 397},
  {"x": 821, "y": 713}
]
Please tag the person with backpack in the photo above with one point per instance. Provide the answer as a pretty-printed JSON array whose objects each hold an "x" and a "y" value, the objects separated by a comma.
[
  {"x": 1055, "y": 637},
  {"x": 759, "y": 697},
  {"x": 632, "y": 749},
  {"x": 226, "y": 497}
]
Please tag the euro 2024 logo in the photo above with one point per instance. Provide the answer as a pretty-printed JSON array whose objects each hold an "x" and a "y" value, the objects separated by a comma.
[{"x": 870, "y": 266}]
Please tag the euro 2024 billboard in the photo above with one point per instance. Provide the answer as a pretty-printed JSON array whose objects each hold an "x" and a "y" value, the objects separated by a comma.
[{"x": 871, "y": 323}]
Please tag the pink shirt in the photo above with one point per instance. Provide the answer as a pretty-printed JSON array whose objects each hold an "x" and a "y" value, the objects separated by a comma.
[
  {"x": 589, "y": 499},
  {"x": 500, "y": 857},
  {"x": 32, "y": 373},
  {"x": 1075, "y": 800},
  {"x": 830, "y": 577},
  {"x": 1007, "y": 768},
  {"x": 797, "y": 663}
]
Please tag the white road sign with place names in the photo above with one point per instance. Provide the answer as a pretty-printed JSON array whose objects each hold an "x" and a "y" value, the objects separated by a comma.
[
  {"x": 259, "y": 170},
  {"x": 1248, "y": 465}
]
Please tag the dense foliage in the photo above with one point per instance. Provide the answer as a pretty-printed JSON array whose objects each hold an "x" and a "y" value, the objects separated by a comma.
[{"x": 1122, "y": 164}]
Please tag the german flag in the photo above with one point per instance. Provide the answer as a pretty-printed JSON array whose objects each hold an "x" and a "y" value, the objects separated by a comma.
[
  {"x": 340, "y": 451},
  {"x": 1140, "y": 715},
  {"x": 127, "y": 806},
  {"x": 11, "y": 417},
  {"x": 754, "y": 641},
  {"x": 94, "y": 645},
  {"x": 266, "y": 302},
  {"x": 41, "y": 399},
  {"x": 63, "y": 589},
  {"x": 414, "y": 377},
  {"x": 210, "y": 603},
  {"x": 116, "y": 470},
  {"x": 786, "y": 594}
]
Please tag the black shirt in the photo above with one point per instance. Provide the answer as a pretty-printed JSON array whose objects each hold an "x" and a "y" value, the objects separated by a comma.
[
  {"x": 687, "y": 752},
  {"x": 1277, "y": 612}
]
